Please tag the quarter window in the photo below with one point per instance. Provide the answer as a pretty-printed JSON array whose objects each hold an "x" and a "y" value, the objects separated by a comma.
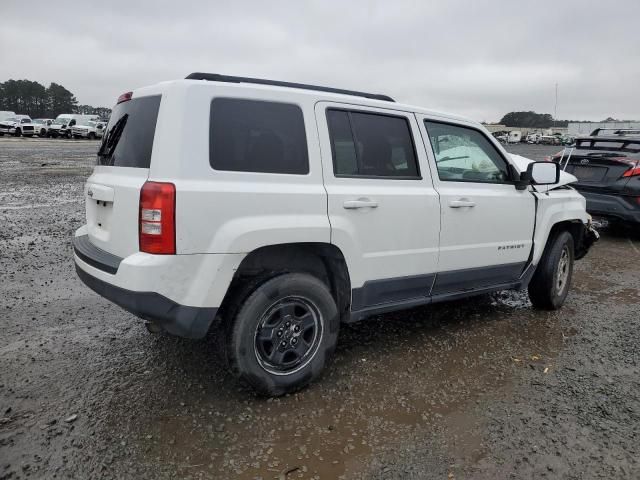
[
  {"x": 257, "y": 136},
  {"x": 465, "y": 155},
  {"x": 371, "y": 145}
]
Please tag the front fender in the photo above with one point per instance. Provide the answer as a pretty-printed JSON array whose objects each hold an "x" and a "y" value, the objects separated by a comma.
[{"x": 554, "y": 207}]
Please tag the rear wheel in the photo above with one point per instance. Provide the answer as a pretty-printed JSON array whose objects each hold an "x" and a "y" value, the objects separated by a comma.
[
  {"x": 283, "y": 334},
  {"x": 549, "y": 286}
]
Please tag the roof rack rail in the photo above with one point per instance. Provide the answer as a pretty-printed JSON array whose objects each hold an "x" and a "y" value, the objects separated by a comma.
[{"x": 216, "y": 77}]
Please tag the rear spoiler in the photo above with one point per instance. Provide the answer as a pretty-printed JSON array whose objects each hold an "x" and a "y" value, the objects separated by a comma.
[
  {"x": 622, "y": 144},
  {"x": 615, "y": 131}
]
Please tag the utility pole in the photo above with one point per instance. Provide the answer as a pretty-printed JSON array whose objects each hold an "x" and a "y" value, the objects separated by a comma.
[{"x": 555, "y": 108}]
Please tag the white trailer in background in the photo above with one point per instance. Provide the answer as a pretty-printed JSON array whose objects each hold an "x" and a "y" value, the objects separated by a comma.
[
  {"x": 5, "y": 114},
  {"x": 515, "y": 136}
]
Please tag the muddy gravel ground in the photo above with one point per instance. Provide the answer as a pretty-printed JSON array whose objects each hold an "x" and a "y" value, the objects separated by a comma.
[{"x": 485, "y": 388}]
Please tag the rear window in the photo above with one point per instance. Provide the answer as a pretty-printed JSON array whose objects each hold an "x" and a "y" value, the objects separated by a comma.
[
  {"x": 257, "y": 136},
  {"x": 371, "y": 145},
  {"x": 128, "y": 138}
]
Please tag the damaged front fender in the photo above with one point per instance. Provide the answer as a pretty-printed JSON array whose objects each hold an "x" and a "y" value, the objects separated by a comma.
[{"x": 588, "y": 237}]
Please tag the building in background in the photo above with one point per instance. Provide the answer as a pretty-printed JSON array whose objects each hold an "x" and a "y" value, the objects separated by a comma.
[{"x": 585, "y": 128}]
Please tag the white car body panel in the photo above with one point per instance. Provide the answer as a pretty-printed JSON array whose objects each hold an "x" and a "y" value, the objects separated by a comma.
[{"x": 221, "y": 216}]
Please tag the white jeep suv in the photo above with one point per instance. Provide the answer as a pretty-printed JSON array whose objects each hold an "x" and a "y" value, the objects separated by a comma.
[{"x": 286, "y": 209}]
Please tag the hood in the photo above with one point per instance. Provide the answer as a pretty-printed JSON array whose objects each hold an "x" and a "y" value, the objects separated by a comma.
[{"x": 522, "y": 163}]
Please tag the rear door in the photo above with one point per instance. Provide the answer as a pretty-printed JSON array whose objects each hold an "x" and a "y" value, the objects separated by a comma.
[
  {"x": 487, "y": 225},
  {"x": 383, "y": 209},
  {"x": 600, "y": 164},
  {"x": 113, "y": 190}
]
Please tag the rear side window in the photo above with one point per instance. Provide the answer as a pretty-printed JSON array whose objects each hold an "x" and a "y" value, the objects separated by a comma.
[
  {"x": 257, "y": 136},
  {"x": 128, "y": 138},
  {"x": 371, "y": 145}
]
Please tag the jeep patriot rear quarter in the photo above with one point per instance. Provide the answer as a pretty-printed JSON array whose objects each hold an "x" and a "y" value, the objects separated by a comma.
[{"x": 288, "y": 209}]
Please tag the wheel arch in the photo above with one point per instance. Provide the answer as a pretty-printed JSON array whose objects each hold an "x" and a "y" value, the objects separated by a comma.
[{"x": 322, "y": 260}]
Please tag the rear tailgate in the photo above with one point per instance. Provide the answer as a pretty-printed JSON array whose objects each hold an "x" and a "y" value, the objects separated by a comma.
[
  {"x": 601, "y": 164},
  {"x": 112, "y": 192}
]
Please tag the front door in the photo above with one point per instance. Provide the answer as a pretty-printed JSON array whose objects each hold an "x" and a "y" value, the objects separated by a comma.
[{"x": 487, "y": 225}]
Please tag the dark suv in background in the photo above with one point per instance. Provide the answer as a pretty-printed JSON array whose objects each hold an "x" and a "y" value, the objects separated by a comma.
[{"x": 607, "y": 165}]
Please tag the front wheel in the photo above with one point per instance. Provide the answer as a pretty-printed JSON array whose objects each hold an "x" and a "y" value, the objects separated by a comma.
[
  {"x": 284, "y": 334},
  {"x": 549, "y": 286}
]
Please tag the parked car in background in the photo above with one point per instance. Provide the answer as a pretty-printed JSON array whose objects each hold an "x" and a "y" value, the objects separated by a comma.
[
  {"x": 60, "y": 128},
  {"x": 291, "y": 209},
  {"x": 64, "y": 122},
  {"x": 88, "y": 129},
  {"x": 550, "y": 140},
  {"x": 533, "y": 138},
  {"x": 19, "y": 125},
  {"x": 42, "y": 126},
  {"x": 608, "y": 171}
]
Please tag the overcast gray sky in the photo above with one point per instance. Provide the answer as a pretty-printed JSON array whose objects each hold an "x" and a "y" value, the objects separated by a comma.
[{"x": 476, "y": 58}]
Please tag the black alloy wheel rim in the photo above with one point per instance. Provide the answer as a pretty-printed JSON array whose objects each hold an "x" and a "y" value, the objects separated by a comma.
[{"x": 288, "y": 335}]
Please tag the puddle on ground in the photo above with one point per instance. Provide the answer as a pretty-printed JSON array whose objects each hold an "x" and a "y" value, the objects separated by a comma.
[{"x": 418, "y": 371}]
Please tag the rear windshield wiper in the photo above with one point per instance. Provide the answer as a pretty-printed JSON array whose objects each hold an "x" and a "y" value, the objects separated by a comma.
[{"x": 112, "y": 138}]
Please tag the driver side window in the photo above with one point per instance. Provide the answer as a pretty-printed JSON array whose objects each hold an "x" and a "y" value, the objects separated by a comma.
[{"x": 465, "y": 155}]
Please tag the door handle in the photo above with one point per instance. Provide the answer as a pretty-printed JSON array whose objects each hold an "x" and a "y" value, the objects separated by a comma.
[
  {"x": 360, "y": 203},
  {"x": 463, "y": 202}
]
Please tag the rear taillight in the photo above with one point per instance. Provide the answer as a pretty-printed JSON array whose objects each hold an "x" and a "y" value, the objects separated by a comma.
[
  {"x": 157, "y": 218},
  {"x": 125, "y": 97},
  {"x": 632, "y": 172}
]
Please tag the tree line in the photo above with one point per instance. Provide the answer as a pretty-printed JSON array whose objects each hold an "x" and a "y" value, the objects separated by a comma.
[
  {"x": 541, "y": 120},
  {"x": 34, "y": 99},
  {"x": 532, "y": 120}
]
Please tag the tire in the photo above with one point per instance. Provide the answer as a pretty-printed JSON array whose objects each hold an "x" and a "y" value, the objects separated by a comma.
[
  {"x": 295, "y": 309},
  {"x": 550, "y": 284},
  {"x": 92, "y": 136},
  {"x": 17, "y": 133},
  {"x": 43, "y": 133}
]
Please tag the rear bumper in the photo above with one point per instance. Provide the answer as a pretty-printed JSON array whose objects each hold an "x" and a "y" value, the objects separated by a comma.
[
  {"x": 180, "y": 320},
  {"x": 608, "y": 205},
  {"x": 181, "y": 293}
]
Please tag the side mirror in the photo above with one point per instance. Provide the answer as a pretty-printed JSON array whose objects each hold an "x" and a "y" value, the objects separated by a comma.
[
  {"x": 539, "y": 173},
  {"x": 544, "y": 173}
]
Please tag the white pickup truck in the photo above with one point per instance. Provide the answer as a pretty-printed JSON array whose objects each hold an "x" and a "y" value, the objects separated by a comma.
[
  {"x": 285, "y": 210},
  {"x": 19, "y": 125},
  {"x": 89, "y": 129}
]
